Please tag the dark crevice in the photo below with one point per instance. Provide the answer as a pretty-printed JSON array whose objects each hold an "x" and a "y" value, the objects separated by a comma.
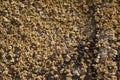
[
  {"x": 91, "y": 72},
  {"x": 117, "y": 59}
]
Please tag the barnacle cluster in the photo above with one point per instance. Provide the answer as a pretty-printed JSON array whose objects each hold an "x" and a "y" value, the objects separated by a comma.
[{"x": 59, "y": 39}]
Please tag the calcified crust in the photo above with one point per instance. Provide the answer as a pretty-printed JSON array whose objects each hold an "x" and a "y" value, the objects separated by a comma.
[{"x": 60, "y": 40}]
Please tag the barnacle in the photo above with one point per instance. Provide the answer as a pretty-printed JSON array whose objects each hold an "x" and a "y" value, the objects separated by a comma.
[{"x": 59, "y": 39}]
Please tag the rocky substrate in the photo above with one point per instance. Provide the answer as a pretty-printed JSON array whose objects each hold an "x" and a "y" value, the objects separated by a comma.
[{"x": 59, "y": 40}]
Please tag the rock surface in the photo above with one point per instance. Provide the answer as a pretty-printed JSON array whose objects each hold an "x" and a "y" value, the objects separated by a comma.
[{"x": 59, "y": 40}]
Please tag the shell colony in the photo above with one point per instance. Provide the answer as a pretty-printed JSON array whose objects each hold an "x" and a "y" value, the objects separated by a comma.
[{"x": 59, "y": 40}]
